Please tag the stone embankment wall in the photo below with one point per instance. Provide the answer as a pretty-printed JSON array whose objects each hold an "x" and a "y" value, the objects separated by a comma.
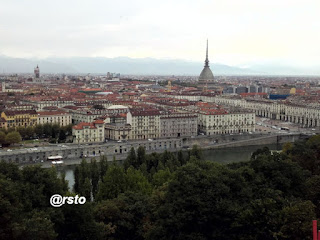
[{"x": 71, "y": 153}]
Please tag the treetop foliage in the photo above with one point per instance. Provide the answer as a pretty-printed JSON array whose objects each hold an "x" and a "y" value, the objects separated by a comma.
[{"x": 168, "y": 196}]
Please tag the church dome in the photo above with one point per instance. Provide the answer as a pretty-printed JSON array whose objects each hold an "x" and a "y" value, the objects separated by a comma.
[{"x": 206, "y": 75}]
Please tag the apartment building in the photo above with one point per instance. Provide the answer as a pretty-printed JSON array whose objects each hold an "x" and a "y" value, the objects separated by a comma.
[
  {"x": 3, "y": 123},
  {"x": 89, "y": 115},
  {"x": 118, "y": 131},
  {"x": 178, "y": 125},
  {"x": 222, "y": 122},
  {"x": 145, "y": 123},
  {"x": 116, "y": 127},
  {"x": 306, "y": 116},
  {"x": 40, "y": 102},
  {"x": 54, "y": 117},
  {"x": 89, "y": 132},
  {"x": 20, "y": 118}
]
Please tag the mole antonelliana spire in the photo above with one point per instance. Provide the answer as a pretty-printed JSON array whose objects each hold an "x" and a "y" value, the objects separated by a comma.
[
  {"x": 206, "y": 75},
  {"x": 207, "y": 59}
]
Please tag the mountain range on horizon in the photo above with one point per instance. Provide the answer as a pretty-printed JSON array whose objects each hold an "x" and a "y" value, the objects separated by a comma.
[{"x": 141, "y": 66}]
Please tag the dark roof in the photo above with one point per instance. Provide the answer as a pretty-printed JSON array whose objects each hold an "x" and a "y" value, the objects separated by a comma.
[{"x": 20, "y": 112}]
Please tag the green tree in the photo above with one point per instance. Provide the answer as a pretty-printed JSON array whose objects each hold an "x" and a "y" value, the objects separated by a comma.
[
  {"x": 47, "y": 129},
  {"x": 55, "y": 130},
  {"x": 296, "y": 220},
  {"x": 67, "y": 129},
  {"x": 38, "y": 129},
  {"x": 62, "y": 136},
  {"x": 114, "y": 183},
  {"x": 95, "y": 176},
  {"x": 10, "y": 202},
  {"x": 79, "y": 223},
  {"x": 29, "y": 132},
  {"x": 38, "y": 226},
  {"x": 198, "y": 197},
  {"x": 264, "y": 151},
  {"x": 77, "y": 179},
  {"x": 137, "y": 182},
  {"x": 127, "y": 215},
  {"x": 131, "y": 159},
  {"x": 161, "y": 177},
  {"x": 196, "y": 152},
  {"x": 103, "y": 166},
  {"x": 86, "y": 189},
  {"x": 2, "y": 137},
  {"x": 64, "y": 182},
  {"x": 13, "y": 137},
  {"x": 40, "y": 185},
  {"x": 312, "y": 190},
  {"x": 23, "y": 132},
  {"x": 85, "y": 170},
  {"x": 141, "y": 156},
  {"x": 181, "y": 158}
]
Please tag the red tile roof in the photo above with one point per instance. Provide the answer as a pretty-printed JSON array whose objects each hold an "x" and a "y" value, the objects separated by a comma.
[
  {"x": 98, "y": 122},
  {"x": 83, "y": 124},
  {"x": 91, "y": 125}
]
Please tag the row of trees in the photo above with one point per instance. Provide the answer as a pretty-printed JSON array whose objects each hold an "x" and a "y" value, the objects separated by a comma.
[
  {"x": 55, "y": 132},
  {"x": 146, "y": 171},
  {"x": 168, "y": 196},
  {"x": 9, "y": 138}
]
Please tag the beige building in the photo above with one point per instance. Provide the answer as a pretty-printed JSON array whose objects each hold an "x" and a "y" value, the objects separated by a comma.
[
  {"x": 89, "y": 132},
  {"x": 54, "y": 117},
  {"x": 306, "y": 116},
  {"x": 3, "y": 123},
  {"x": 145, "y": 123},
  {"x": 226, "y": 123},
  {"x": 89, "y": 115},
  {"x": 178, "y": 125},
  {"x": 41, "y": 103},
  {"x": 23, "y": 118},
  {"x": 118, "y": 131},
  {"x": 116, "y": 127}
]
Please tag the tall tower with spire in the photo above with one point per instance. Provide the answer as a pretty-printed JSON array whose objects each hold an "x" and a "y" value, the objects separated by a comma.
[
  {"x": 37, "y": 72},
  {"x": 206, "y": 76},
  {"x": 206, "y": 62}
]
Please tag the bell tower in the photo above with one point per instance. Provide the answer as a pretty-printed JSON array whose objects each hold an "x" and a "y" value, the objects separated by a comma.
[{"x": 37, "y": 72}]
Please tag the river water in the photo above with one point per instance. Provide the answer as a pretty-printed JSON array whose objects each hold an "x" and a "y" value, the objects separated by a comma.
[{"x": 223, "y": 156}]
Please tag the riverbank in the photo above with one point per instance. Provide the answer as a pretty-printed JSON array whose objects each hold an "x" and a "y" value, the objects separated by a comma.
[
  {"x": 219, "y": 155},
  {"x": 73, "y": 155}
]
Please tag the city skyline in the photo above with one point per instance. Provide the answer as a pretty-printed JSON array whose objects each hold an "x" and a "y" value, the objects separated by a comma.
[{"x": 240, "y": 33}]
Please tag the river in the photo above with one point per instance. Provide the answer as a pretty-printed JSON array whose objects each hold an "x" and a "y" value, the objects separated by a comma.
[{"x": 223, "y": 156}]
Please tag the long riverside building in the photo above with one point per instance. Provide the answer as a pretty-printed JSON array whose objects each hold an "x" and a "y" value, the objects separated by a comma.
[{"x": 306, "y": 116}]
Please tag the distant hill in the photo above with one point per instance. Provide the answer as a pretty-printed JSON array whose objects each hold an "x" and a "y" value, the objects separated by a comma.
[
  {"x": 125, "y": 65},
  {"x": 122, "y": 65},
  {"x": 21, "y": 65}
]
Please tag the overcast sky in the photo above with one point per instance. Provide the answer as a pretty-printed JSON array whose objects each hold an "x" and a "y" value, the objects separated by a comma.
[{"x": 239, "y": 31}]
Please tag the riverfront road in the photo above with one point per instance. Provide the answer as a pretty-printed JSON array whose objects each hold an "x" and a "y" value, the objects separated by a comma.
[
  {"x": 72, "y": 153},
  {"x": 75, "y": 151},
  {"x": 263, "y": 140}
]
